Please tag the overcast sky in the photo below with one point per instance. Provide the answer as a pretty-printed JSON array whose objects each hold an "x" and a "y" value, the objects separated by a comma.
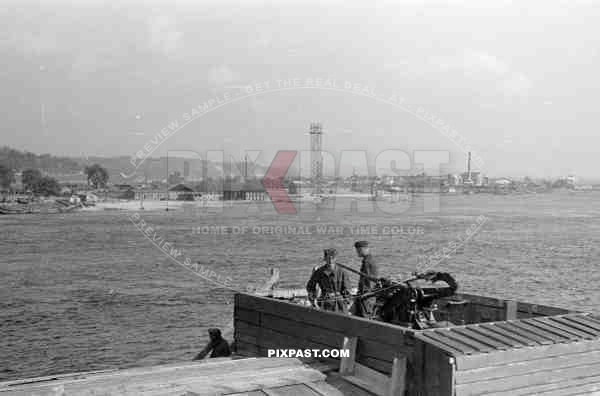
[{"x": 519, "y": 82}]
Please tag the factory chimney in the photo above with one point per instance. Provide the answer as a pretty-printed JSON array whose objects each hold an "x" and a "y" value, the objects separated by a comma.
[{"x": 469, "y": 167}]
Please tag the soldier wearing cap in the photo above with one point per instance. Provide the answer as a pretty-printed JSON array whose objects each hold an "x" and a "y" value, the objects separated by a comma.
[
  {"x": 333, "y": 282},
  {"x": 364, "y": 306}
]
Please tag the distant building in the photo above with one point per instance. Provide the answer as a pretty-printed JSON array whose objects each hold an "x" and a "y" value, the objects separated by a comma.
[
  {"x": 249, "y": 191},
  {"x": 454, "y": 180},
  {"x": 123, "y": 187},
  {"x": 151, "y": 195},
  {"x": 476, "y": 178},
  {"x": 181, "y": 192},
  {"x": 583, "y": 188},
  {"x": 502, "y": 182}
]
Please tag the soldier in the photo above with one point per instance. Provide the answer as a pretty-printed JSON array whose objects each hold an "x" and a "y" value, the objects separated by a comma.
[
  {"x": 364, "y": 306},
  {"x": 217, "y": 344},
  {"x": 333, "y": 282}
]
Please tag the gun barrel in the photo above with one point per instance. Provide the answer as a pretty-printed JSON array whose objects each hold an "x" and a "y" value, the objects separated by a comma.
[{"x": 357, "y": 272}]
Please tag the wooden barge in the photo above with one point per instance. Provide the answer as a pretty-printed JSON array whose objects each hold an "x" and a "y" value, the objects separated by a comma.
[{"x": 499, "y": 347}]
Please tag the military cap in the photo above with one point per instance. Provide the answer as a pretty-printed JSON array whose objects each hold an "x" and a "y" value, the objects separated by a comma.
[
  {"x": 360, "y": 244},
  {"x": 329, "y": 253}
]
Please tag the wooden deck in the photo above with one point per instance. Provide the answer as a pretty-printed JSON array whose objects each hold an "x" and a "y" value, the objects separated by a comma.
[
  {"x": 250, "y": 376},
  {"x": 554, "y": 355},
  {"x": 516, "y": 349}
]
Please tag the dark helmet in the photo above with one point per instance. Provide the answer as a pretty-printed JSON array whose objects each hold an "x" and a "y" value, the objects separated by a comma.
[{"x": 361, "y": 244}]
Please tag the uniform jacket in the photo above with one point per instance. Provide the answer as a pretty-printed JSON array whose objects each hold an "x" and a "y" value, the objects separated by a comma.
[{"x": 368, "y": 267}]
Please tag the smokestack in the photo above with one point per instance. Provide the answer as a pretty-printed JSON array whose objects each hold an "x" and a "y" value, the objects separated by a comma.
[{"x": 469, "y": 166}]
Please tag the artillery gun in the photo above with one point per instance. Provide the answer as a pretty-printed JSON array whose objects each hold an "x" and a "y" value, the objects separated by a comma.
[
  {"x": 409, "y": 303},
  {"x": 412, "y": 303}
]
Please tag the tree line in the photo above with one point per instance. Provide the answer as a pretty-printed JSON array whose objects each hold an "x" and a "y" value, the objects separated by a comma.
[{"x": 33, "y": 180}]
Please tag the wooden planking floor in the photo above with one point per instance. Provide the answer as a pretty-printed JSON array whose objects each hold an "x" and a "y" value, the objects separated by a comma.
[{"x": 253, "y": 377}]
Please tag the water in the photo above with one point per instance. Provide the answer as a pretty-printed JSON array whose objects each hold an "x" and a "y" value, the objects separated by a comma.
[{"x": 90, "y": 291}]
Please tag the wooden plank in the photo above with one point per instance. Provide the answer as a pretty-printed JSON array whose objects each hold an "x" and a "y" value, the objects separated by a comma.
[
  {"x": 582, "y": 320},
  {"x": 291, "y": 390},
  {"x": 255, "y": 381},
  {"x": 246, "y": 329},
  {"x": 550, "y": 329},
  {"x": 398, "y": 377},
  {"x": 349, "y": 325},
  {"x": 246, "y": 339},
  {"x": 569, "y": 323},
  {"x": 536, "y": 330},
  {"x": 576, "y": 333},
  {"x": 245, "y": 349},
  {"x": 446, "y": 347},
  {"x": 328, "y": 337},
  {"x": 370, "y": 380},
  {"x": 468, "y": 332},
  {"x": 535, "y": 389},
  {"x": 322, "y": 335},
  {"x": 324, "y": 389},
  {"x": 515, "y": 382},
  {"x": 593, "y": 318},
  {"x": 324, "y": 365},
  {"x": 251, "y": 393},
  {"x": 377, "y": 350},
  {"x": 364, "y": 385},
  {"x": 529, "y": 366},
  {"x": 580, "y": 390},
  {"x": 480, "y": 314},
  {"x": 437, "y": 372},
  {"x": 481, "y": 300},
  {"x": 478, "y": 346},
  {"x": 289, "y": 375},
  {"x": 523, "y": 354},
  {"x": 195, "y": 379},
  {"x": 513, "y": 328},
  {"x": 58, "y": 377},
  {"x": 416, "y": 368},
  {"x": 446, "y": 372},
  {"x": 347, "y": 363},
  {"x": 510, "y": 310},
  {"x": 543, "y": 310},
  {"x": 508, "y": 334},
  {"x": 272, "y": 339},
  {"x": 442, "y": 340},
  {"x": 173, "y": 371},
  {"x": 247, "y": 316},
  {"x": 347, "y": 388},
  {"x": 376, "y": 364},
  {"x": 510, "y": 342},
  {"x": 275, "y": 340}
]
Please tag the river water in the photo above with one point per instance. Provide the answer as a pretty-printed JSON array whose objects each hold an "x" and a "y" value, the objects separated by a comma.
[{"x": 94, "y": 290}]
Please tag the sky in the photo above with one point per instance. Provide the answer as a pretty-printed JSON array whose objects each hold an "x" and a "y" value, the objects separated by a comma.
[{"x": 516, "y": 81}]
